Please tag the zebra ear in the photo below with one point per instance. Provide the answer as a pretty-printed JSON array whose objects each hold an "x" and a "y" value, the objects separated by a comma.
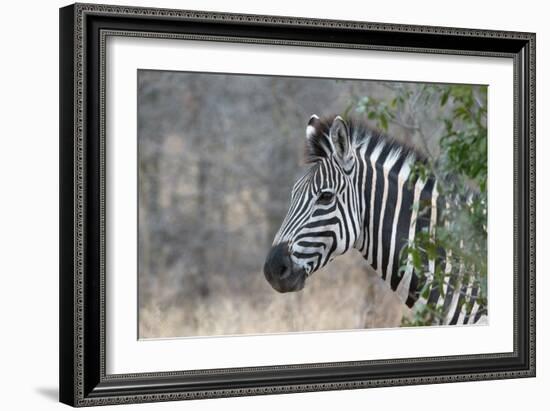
[
  {"x": 339, "y": 135},
  {"x": 313, "y": 127}
]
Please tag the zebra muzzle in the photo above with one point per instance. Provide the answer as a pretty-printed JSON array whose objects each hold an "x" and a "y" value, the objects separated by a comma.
[{"x": 280, "y": 272}]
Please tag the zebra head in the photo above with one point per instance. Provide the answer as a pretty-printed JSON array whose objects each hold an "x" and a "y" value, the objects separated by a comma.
[{"x": 322, "y": 221}]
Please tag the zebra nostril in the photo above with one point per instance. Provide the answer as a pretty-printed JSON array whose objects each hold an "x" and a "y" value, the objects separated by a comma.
[
  {"x": 285, "y": 268},
  {"x": 285, "y": 272},
  {"x": 278, "y": 264}
]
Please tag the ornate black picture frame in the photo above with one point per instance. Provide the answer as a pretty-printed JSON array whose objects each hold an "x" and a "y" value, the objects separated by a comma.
[{"x": 83, "y": 30}]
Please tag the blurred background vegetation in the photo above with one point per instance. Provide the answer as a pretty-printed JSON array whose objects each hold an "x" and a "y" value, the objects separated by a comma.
[{"x": 218, "y": 155}]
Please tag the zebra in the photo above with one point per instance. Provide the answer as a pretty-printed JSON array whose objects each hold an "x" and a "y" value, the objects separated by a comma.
[{"x": 360, "y": 192}]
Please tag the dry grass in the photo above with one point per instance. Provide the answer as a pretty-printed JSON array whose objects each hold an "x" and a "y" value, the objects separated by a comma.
[{"x": 342, "y": 296}]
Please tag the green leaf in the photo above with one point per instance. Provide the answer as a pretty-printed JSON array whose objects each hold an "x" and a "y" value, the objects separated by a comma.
[
  {"x": 444, "y": 97},
  {"x": 384, "y": 122}
]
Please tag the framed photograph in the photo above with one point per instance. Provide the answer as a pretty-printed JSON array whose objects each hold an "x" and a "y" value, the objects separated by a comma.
[{"x": 261, "y": 204}]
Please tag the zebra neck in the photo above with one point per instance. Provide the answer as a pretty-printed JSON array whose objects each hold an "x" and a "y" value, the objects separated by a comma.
[
  {"x": 395, "y": 207},
  {"x": 389, "y": 207}
]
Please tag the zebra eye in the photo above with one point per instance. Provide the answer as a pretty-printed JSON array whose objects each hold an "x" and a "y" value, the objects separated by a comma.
[{"x": 325, "y": 197}]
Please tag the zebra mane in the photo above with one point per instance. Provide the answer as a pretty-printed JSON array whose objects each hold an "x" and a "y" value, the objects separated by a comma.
[{"x": 318, "y": 146}]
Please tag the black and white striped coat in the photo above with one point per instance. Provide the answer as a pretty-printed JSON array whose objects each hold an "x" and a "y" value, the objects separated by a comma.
[{"x": 359, "y": 193}]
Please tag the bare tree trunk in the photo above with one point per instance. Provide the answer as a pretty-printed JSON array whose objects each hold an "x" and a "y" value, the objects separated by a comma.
[
  {"x": 202, "y": 218},
  {"x": 369, "y": 309}
]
